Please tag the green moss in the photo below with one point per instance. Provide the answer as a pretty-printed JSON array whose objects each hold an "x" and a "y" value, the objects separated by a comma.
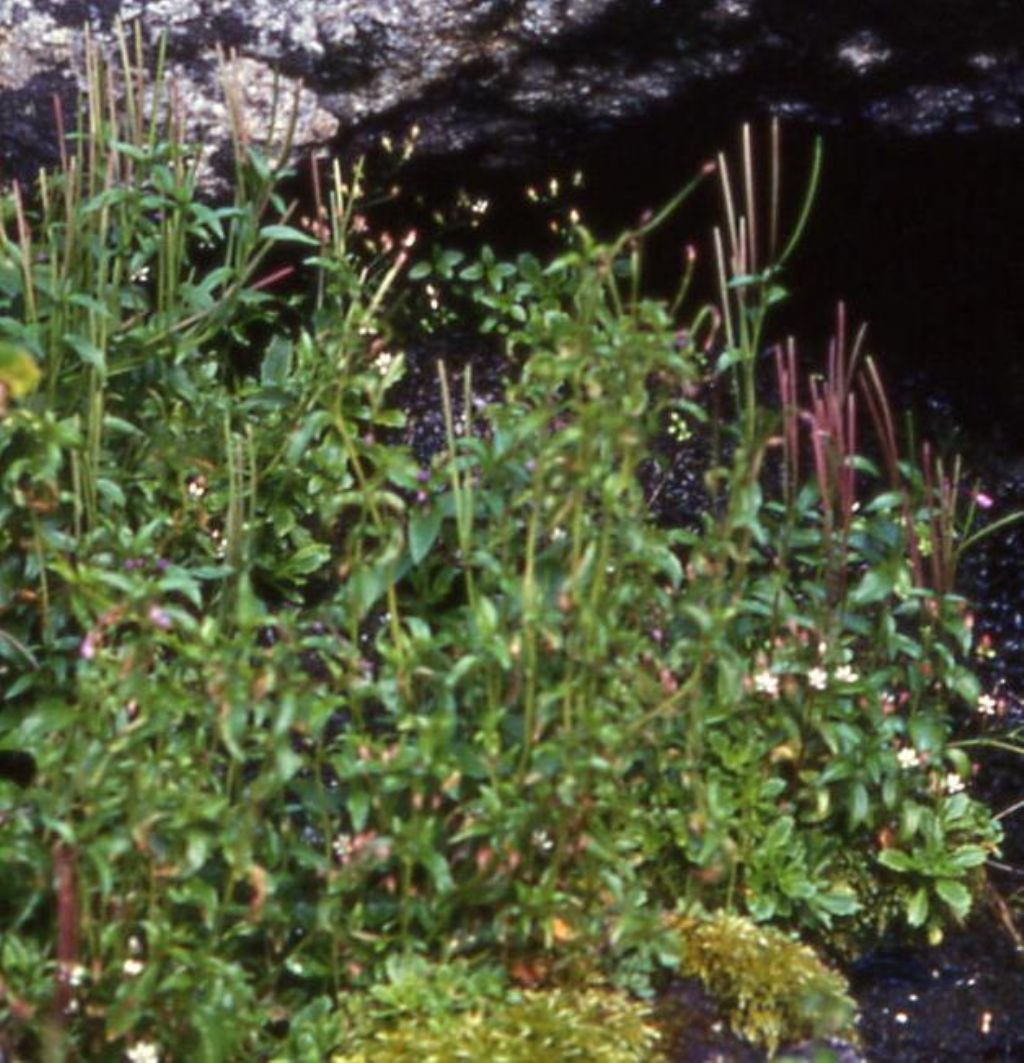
[
  {"x": 589, "y": 1025},
  {"x": 773, "y": 989},
  {"x": 883, "y": 904}
]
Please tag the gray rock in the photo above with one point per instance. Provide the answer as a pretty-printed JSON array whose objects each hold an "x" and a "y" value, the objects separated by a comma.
[{"x": 514, "y": 80}]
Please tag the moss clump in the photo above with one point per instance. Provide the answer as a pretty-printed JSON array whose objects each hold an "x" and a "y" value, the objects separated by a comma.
[
  {"x": 589, "y": 1025},
  {"x": 773, "y": 989}
]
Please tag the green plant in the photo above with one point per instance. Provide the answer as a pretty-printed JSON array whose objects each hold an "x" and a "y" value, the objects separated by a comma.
[
  {"x": 774, "y": 989},
  {"x": 442, "y": 1014},
  {"x": 302, "y": 702}
]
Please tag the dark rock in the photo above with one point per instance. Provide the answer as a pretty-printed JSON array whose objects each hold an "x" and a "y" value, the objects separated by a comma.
[{"x": 515, "y": 80}]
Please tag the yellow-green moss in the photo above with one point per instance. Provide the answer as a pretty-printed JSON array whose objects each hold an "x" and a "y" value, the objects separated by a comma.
[
  {"x": 772, "y": 989},
  {"x": 556, "y": 1025}
]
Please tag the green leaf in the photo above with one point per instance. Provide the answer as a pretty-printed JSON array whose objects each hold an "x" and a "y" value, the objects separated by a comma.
[
  {"x": 314, "y": 423},
  {"x": 486, "y": 616},
  {"x": 895, "y": 860},
  {"x": 956, "y": 895},
  {"x": 927, "y": 734},
  {"x": 462, "y": 667},
  {"x": 120, "y": 426},
  {"x": 917, "y": 908},
  {"x": 358, "y": 808},
  {"x": 424, "y": 527},
  {"x": 841, "y": 901},
  {"x": 860, "y": 805},
  {"x": 111, "y": 491},
  {"x": 286, "y": 234},
  {"x": 876, "y": 586},
  {"x": 969, "y": 856},
  {"x": 439, "y": 871},
  {"x": 779, "y": 834},
  {"x": 732, "y": 356},
  {"x": 176, "y": 579},
  {"x": 87, "y": 351},
  {"x": 276, "y": 362},
  {"x": 304, "y": 561}
]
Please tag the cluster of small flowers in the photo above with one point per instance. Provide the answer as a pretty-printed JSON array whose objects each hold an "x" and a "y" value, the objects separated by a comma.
[
  {"x": 220, "y": 545},
  {"x": 767, "y": 683},
  {"x": 553, "y": 187},
  {"x": 383, "y": 362},
  {"x": 90, "y": 644},
  {"x": 349, "y": 847},
  {"x": 134, "y": 564},
  {"x": 953, "y": 784},
  {"x": 678, "y": 429},
  {"x": 143, "y": 1052},
  {"x": 407, "y": 147},
  {"x": 133, "y": 966},
  {"x": 317, "y": 226}
]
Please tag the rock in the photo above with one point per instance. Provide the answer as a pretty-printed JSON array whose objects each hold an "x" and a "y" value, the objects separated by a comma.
[{"x": 515, "y": 80}]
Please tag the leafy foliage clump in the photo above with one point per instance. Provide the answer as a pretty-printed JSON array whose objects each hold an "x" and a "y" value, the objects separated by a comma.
[
  {"x": 774, "y": 990},
  {"x": 285, "y": 698},
  {"x": 438, "y": 1015}
]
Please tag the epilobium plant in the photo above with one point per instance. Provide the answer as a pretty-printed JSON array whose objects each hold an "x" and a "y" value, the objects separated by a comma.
[{"x": 291, "y": 703}]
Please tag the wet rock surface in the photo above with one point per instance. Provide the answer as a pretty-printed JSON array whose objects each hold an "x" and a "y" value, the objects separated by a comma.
[
  {"x": 514, "y": 81},
  {"x": 963, "y": 1001}
]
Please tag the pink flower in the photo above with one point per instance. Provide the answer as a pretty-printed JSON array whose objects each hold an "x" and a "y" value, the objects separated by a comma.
[{"x": 983, "y": 500}]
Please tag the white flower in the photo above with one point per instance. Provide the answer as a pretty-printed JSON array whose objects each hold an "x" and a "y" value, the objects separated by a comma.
[
  {"x": 954, "y": 784},
  {"x": 542, "y": 840},
  {"x": 986, "y": 705},
  {"x": 678, "y": 429},
  {"x": 908, "y": 757},
  {"x": 817, "y": 678},
  {"x": 766, "y": 683},
  {"x": 132, "y": 967},
  {"x": 845, "y": 674},
  {"x": 143, "y": 1052},
  {"x": 74, "y": 973},
  {"x": 382, "y": 363}
]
